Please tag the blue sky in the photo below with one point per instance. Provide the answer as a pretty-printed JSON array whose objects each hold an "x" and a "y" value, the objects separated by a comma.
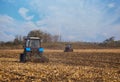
[{"x": 74, "y": 20}]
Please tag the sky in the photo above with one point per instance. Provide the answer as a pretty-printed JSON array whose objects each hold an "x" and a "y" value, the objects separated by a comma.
[{"x": 74, "y": 20}]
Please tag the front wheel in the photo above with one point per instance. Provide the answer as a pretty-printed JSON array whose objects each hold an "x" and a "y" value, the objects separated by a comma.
[{"x": 22, "y": 58}]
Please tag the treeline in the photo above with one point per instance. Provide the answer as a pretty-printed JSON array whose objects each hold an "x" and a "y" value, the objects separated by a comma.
[
  {"x": 19, "y": 40},
  {"x": 45, "y": 36},
  {"x": 54, "y": 42},
  {"x": 110, "y": 42}
]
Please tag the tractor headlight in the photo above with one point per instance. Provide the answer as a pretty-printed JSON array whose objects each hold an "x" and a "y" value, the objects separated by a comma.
[
  {"x": 28, "y": 49},
  {"x": 41, "y": 50}
]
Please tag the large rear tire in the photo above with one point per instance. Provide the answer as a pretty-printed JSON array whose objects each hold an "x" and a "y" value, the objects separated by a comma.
[{"x": 22, "y": 58}]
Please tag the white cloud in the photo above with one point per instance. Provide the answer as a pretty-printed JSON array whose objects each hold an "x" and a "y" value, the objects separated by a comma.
[
  {"x": 6, "y": 37},
  {"x": 6, "y": 19},
  {"x": 111, "y": 5},
  {"x": 89, "y": 20},
  {"x": 10, "y": 27},
  {"x": 23, "y": 12},
  {"x": 6, "y": 22},
  {"x": 83, "y": 19}
]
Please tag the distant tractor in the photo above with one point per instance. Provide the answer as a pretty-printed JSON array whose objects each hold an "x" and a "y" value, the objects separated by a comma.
[
  {"x": 33, "y": 50},
  {"x": 68, "y": 48}
]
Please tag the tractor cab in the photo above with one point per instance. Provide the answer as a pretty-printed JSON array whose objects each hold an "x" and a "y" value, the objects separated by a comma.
[
  {"x": 33, "y": 44},
  {"x": 32, "y": 50},
  {"x": 68, "y": 48}
]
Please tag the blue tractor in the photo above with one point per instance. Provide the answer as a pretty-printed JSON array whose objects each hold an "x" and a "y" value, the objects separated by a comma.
[{"x": 33, "y": 50}]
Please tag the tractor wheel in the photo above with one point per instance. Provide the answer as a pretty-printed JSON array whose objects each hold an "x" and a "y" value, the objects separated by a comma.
[{"x": 22, "y": 58}]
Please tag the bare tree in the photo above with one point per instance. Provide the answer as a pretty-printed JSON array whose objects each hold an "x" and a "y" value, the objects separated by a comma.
[
  {"x": 35, "y": 33},
  {"x": 18, "y": 39},
  {"x": 110, "y": 42},
  {"x": 55, "y": 38},
  {"x": 47, "y": 37},
  {"x": 111, "y": 39}
]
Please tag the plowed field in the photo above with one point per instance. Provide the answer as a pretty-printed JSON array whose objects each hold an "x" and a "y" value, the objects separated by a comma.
[{"x": 79, "y": 66}]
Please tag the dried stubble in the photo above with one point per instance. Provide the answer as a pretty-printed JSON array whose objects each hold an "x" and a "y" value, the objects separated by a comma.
[{"x": 63, "y": 67}]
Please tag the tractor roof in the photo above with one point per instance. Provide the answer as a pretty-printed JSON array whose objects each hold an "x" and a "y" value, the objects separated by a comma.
[
  {"x": 32, "y": 38},
  {"x": 68, "y": 44}
]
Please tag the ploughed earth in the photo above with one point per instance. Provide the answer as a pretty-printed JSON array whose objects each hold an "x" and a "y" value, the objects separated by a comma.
[{"x": 92, "y": 65}]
